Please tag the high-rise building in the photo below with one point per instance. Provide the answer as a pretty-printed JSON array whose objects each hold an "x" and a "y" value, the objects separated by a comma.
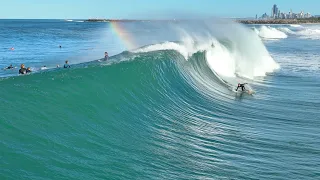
[{"x": 275, "y": 11}]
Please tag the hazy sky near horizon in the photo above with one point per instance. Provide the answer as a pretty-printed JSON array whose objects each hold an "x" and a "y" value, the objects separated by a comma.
[{"x": 82, "y": 9}]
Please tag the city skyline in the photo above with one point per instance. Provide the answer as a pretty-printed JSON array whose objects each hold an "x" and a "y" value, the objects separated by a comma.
[
  {"x": 276, "y": 13},
  {"x": 83, "y": 9}
]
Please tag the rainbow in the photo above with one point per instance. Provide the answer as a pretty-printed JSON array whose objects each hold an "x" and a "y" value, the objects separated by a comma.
[{"x": 124, "y": 36}]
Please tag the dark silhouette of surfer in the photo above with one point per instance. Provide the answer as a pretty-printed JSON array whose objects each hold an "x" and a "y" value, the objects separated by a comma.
[
  {"x": 9, "y": 67},
  {"x": 106, "y": 56},
  {"x": 242, "y": 86}
]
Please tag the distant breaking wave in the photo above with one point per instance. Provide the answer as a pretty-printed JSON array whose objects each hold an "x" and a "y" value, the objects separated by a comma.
[
  {"x": 268, "y": 32},
  {"x": 286, "y": 30},
  {"x": 308, "y": 32},
  {"x": 295, "y": 25}
]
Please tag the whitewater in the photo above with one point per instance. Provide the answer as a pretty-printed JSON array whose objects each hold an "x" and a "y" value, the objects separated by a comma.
[{"x": 163, "y": 108}]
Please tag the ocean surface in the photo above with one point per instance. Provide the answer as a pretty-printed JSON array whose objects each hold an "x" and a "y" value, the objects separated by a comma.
[{"x": 164, "y": 105}]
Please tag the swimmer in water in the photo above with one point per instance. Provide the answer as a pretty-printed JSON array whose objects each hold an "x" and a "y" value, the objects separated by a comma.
[
  {"x": 66, "y": 65},
  {"x": 28, "y": 70},
  {"x": 22, "y": 70}
]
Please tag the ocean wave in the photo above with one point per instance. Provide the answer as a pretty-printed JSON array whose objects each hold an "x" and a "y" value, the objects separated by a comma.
[
  {"x": 309, "y": 33},
  {"x": 164, "y": 111},
  {"x": 268, "y": 32},
  {"x": 296, "y": 25},
  {"x": 228, "y": 60},
  {"x": 286, "y": 30}
]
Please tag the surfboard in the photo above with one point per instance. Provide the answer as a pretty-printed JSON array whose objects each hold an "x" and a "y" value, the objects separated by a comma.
[
  {"x": 9, "y": 69},
  {"x": 250, "y": 92}
]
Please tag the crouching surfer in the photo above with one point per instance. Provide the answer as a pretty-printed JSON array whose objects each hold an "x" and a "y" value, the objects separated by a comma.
[{"x": 241, "y": 86}]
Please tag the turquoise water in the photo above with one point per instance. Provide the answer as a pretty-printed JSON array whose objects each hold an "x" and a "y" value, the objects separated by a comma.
[{"x": 163, "y": 110}]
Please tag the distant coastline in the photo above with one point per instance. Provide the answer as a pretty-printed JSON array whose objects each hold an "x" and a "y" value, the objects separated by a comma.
[
  {"x": 247, "y": 21},
  {"x": 111, "y": 20},
  {"x": 281, "y": 21}
]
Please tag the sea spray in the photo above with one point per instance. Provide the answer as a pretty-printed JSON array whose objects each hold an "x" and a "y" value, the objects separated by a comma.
[{"x": 230, "y": 49}]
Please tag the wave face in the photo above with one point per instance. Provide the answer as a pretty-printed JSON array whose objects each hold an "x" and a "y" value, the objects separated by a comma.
[{"x": 165, "y": 111}]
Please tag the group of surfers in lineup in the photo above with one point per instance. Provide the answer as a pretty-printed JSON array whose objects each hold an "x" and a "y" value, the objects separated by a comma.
[{"x": 24, "y": 70}]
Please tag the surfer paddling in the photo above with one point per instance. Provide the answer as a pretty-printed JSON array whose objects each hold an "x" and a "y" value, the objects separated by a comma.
[{"x": 9, "y": 67}]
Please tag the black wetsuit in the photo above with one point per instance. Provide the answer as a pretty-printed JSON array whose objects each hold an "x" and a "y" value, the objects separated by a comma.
[
  {"x": 28, "y": 71},
  {"x": 66, "y": 66},
  {"x": 242, "y": 87},
  {"x": 10, "y": 67},
  {"x": 22, "y": 71}
]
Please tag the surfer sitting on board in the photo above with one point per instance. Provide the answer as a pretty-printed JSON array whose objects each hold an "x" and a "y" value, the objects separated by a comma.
[{"x": 242, "y": 86}]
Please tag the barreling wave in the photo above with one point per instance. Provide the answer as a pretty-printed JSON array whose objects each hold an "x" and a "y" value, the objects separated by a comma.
[{"x": 229, "y": 58}]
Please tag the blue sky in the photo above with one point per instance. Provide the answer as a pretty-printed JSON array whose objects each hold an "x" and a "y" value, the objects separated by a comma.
[{"x": 83, "y": 9}]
